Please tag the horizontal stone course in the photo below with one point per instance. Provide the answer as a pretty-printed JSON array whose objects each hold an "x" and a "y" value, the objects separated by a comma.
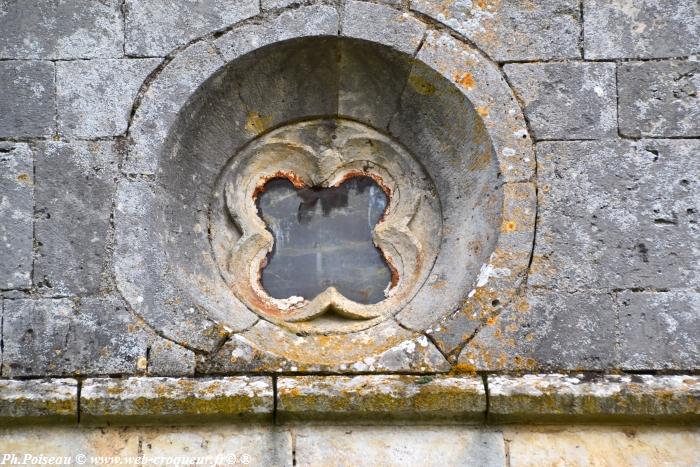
[
  {"x": 543, "y": 398},
  {"x": 153, "y": 400},
  {"x": 380, "y": 397},
  {"x": 38, "y": 401}
]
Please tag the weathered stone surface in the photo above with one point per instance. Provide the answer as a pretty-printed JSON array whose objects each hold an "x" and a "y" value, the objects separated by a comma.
[
  {"x": 155, "y": 27},
  {"x": 659, "y": 330},
  {"x": 399, "y": 445},
  {"x": 68, "y": 445},
  {"x": 60, "y": 30},
  {"x": 567, "y": 100},
  {"x": 579, "y": 446},
  {"x": 16, "y": 215},
  {"x": 381, "y": 398},
  {"x": 389, "y": 350},
  {"x": 95, "y": 97},
  {"x": 38, "y": 401},
  {"x": 57, "y": 337},
  {"x": 379, "y": 23},
  {"x": 165, "y": 358},
  {"x": 162, "y": 101},
  {"x": 514, "y": 29},
  {"x": 140, "y": 269},
  {"x": 546, "y": 331},
  {"x": 28, "y": 98},
  {"x": 306, "y": 21},
  {"x": 640, "y": 29},
  {"x": 554, "y": 397},
  {"x": 75, "y": 184},
  {"x": 151, "y": 400},
  {"x": 623, "y": 216},
  {"x": 231, "y": 444},
  {"x": 659, "y": 98}
]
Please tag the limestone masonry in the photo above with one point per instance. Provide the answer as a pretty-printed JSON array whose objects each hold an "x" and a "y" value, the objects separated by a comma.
[{"x": 540, "y": 162}]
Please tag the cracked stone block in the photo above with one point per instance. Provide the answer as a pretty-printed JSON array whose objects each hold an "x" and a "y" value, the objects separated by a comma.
[
  {"x": 95, "y": 97},
  {"x": 580, "y": 446},
  {"x": 61, "y": 29},
  {"x": 659, "y": 330},
  {"x": 28, "y": 98},
  {"x": 379, "y": 23},
  {"x": 380, "y": 397},
  {"x": 153, "y": 400},
  {"x": 38, "y": 401},
  {"x": 546, "y": 331},
  {"x": 640, "y": 29},
  {"x": 399, "y": 445},
  {"x": 57, "y": 337},
  {"x": 75, "y": 185},
  {"x": 617, "y": 214},
  {"x": 166, "y": 358},
  {"x": 16, "y": 215},
  {"x": 155, "y": 27},
  {"x": 512, "y": 29},
  {"x": 556, "y": 397},
  {"x": 659, "y": 98},
  {"x": 567, "y": 100}
]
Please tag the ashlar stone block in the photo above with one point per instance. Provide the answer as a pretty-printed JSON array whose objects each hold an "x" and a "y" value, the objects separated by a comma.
[
  {"x": 47, "y": 337},
  {"x": 640, "y": 29},
  {"x": 49, "y": 29},
  {"x": 155, "y": 27},
  {"x": 16, "y": 215},
  {"x": 659, "y": 98},
  {"x": 95, "y": 97},
  {"x": 74, "y": 190},
  {"x": 27, "y": 99},
  {"x": 617, "y": 215},
  {"x": 567, "y": 100}
]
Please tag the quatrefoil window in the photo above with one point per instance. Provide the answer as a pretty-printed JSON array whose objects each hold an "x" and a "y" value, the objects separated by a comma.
[
  {"x": 325, "y": 220},
  {"x": 323, "y": 239}
]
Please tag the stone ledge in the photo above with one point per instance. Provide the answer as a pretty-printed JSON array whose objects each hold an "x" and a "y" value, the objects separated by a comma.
[
  {"x": 538, "y": 399},
  {"x": 38, "y": 401},
  {"x": 562, "y": 398},
  {"x": 148, "y": 400},
  {"x": 380, "y": 397}
]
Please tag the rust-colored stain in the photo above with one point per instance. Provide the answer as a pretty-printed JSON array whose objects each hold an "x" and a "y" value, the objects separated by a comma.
[
  {"x": 24, "y": 178},
  {"x": 483, "y": 111},
  {"x": 465, "y": 80},
  {"x": 509, "y": 226}
]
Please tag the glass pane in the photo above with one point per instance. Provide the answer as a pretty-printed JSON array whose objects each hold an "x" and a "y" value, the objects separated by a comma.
[{"x": 323, "y": 238}]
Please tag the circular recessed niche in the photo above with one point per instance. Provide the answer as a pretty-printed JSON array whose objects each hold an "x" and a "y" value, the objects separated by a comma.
[{"x": 315, "y": 113}]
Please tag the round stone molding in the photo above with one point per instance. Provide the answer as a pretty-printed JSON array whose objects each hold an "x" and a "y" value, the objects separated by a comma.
[{"x": 426, "y": 116}]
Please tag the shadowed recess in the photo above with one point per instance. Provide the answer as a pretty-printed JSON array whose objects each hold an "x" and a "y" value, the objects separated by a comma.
[{"x": 323, "y": 238}]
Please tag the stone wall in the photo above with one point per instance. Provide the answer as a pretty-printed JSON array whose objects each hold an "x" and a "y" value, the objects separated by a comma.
[{"x": 610, "y": 280}]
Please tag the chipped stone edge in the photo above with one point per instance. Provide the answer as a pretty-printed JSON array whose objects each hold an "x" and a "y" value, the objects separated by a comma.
[
  {"x": 528, "y": 399},
  {"x": 52, "y": 401},
  {"x": 579, "y": 398},
  {"x": 154, "y": 400}
]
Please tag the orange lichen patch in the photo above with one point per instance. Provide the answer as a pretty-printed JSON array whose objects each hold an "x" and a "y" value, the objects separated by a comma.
[
  {"x": 24, "y": 178},
  {"x": 465, "y": 80},
  {"x": 256, "y": 123},
  {"x": 509, "y": 226},
  {"x": 483, "y": 111},
  {"x": 421, "y": 85},
  {"x": 464, "y": 368},
  {"x": 487, "y": 4}
]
